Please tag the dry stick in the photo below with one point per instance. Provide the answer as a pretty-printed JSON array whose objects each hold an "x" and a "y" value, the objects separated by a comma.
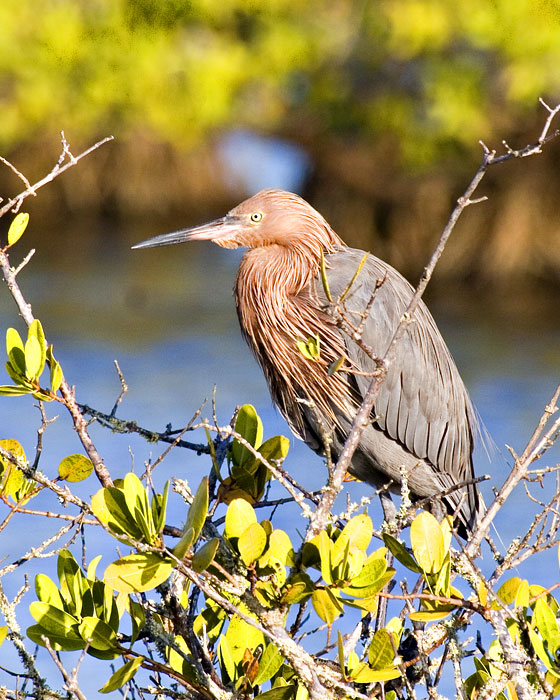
[
  {"x": 10, "y": 276},
  {"x": 363, "y": 416},
  {"x": 58, "y": 169},
  {"x": 536, "y": 445}
]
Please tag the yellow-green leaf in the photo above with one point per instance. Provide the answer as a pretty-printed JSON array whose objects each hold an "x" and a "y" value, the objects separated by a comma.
[
  {"x": 122, "y": 675},
  {"x": 239, "y": 516},
  {"x": 53, "y": 619},
  {"x": 326, "y": 605},
  {"x": 363, "y": 673},
  {"x": 33, "y": 366},
  {"x": 139, "y": 572},
  {"x": 15, "y": 350},
  {"x": 47, "y": 591},
  {"x": 75, "y": 468},
  {"x": 198, "y": 509},
  {"x": 279, "y": 547},
  {"x": 381, "y": 654},
  {"x": 17, "y": 227},
  {"x": 252, "y": 543},
  {"x": 270, "y": 662},
  {"x": 427, "y": 542},
  {"x": 401, "y": 553},
  {"x": 241, "y": 636},
  {"x": 184, "y": 544},
  {"x": 249, "y": 425},
  {"x": 205, "y": 555},
  {"x": 97, "y": 632},
  {"x": 69, "y": 640},
  {"x": 3, "y": 632},
  {"x": 507, "y": 592},
  {"x": 8, "y": 390}
]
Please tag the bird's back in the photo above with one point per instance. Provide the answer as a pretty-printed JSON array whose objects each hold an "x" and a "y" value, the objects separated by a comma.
[{"x": 425, "y": 422}]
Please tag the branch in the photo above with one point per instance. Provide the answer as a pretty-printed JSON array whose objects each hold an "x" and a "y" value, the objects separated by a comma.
[
  {"x": 10, "y": 275},
  {"x": 363, "y": 417},
  {"x": 15, "y": 203}
]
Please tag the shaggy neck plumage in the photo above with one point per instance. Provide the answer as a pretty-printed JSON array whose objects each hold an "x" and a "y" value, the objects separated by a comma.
[{"x": 276, "y": 309}]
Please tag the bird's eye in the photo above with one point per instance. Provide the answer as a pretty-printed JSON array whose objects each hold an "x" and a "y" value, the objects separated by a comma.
[{"x": 256, "y": 216}]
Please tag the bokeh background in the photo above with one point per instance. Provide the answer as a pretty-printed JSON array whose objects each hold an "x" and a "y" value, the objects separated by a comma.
[{"x": 372, "y": 110}]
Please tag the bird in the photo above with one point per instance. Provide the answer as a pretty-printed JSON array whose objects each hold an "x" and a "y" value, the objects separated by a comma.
[{"x": 317, "y": 315}]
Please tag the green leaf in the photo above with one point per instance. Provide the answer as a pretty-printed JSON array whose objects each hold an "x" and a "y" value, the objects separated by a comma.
[
  {"x": 249, "y": 426},
  {"x": 109, "y": 505},
  {"x": 241, "y": 636},
  {"x": 372, "y": 578},
  {"x": 359, "y": 530},
  {"x": 252, "y": 543},
  {"x": 205, "y": 555},
  {"x": 36, "y": 331},
  {"x": 269, "y": 664},
  {"x": 239, "y": 516},
  {"x": 522, "y": 595},
  {"x": 401, "y": 553},
  {"x": 325, "y": 546},
  {"x": 542, "y": 653},
  {"x": 56, "y": 370},
  {"x": 92, "y": 567},
  {"x": 363, "y": 673},
  {"x": 279, "y": 547},
  {"x": 427, "y": 542},
  {"x": 66, "y": 641},
  {"x": 159, "y": 508},
  {"x": 198, "y": 510},
  {"x": 283, "y": 692},
  {"x": 54, "y": 620},
  {"x": 507, "y": 592},
  {"x": 184, "y": 544},
  {"x": 47, "y": 591},
  {"x": 33, "y": 366},
  {"x": 12, "y": 480},
  {"x": 15, "y": 350},
  {"x": 139, "y": 572},
  {"x": 324, "y": 278},
  {"x": 137, "y": 617},
  {"x": 310, "y": 348},
  {"x": 136, "y": 498},
  {"x": 97, "y": 632},
  {"x": 8, "y": 390},
  {"x": 225, "y": 658},
  {"x": 381, "y": 654},
  {"x": 545, "y": 621},
  {"x": 122, "y": 676},
  {"x": 326, "y": 605},
  {"x": 17, "y": 227},
  {"x": 75, "y": 468},
  {"x": 299, "y": 587}
]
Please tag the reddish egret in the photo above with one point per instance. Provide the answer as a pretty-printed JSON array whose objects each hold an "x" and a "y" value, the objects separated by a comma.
[{"x": 424, "y": 423}]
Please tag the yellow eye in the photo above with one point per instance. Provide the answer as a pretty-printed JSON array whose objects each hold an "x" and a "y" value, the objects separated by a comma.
[{"x": 256, "y": 216}]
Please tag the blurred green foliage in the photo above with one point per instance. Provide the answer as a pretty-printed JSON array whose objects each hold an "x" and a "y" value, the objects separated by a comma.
[{"x": 422, "y": 70}]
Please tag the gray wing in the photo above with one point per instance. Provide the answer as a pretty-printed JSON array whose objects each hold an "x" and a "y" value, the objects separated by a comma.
[{"x": 423, "y": 403}]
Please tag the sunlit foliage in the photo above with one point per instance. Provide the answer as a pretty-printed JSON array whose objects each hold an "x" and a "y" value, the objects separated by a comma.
[{"x": 422, "y": 70}]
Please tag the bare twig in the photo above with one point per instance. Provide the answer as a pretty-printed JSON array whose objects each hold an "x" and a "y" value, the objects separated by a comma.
[{"x": 15, "y": 203}]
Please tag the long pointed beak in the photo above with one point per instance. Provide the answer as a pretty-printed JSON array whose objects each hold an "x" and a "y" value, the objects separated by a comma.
[{"x": 212, "y": 231}]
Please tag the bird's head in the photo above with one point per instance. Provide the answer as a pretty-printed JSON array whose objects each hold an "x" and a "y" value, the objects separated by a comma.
[{"x": 271, "y": 217}]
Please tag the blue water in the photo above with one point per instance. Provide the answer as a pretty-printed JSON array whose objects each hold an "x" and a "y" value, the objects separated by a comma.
[{"x": 168, "y": 317}]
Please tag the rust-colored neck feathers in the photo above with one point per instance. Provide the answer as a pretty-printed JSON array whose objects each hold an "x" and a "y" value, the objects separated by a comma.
[{"x": 276, "y": 306}]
